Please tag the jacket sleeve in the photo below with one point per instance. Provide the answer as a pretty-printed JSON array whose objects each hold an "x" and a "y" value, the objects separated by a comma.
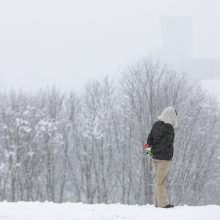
[
  {"x": 163, "y": 137},
  {"x": 150, "y": 139}
]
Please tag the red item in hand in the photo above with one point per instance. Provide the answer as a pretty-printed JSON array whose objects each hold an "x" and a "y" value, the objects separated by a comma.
[{"x": 146, "y": 146}]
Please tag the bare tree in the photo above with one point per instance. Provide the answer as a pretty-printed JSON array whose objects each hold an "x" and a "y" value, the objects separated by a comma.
[{"x": 88, "y": 147}]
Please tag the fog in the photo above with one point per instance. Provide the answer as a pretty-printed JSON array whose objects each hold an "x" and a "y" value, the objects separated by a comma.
[{"x": 66, "y": 43}]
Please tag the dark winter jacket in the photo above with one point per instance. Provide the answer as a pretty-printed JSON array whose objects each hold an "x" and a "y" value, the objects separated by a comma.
[{"x": 161, "y": 140}]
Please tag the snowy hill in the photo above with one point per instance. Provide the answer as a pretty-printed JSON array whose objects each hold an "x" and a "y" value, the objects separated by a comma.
[{"x": 71, "y": 211}]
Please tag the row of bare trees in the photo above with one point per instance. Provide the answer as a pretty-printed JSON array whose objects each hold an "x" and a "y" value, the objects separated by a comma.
[{"x": 87, "y": 147}]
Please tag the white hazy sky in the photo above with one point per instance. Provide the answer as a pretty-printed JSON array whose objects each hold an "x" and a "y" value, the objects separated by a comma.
[{"x": 67, "y": 42}]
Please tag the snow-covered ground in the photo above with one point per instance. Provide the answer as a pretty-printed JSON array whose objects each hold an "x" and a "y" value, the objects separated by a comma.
[{"x": 72, "y": 211}]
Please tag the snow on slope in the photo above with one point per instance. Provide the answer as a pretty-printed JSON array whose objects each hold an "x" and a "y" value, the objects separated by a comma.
[{"x": 72, "y": 211}]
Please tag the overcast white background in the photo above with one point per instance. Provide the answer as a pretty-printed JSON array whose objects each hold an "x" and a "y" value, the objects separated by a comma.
[{"x": 63, "y": 42}]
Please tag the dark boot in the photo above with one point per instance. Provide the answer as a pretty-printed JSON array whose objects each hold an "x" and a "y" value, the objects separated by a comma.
[{"x": 168, "y": 206}]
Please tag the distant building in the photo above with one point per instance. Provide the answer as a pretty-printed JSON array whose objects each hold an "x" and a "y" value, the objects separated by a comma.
[
  {"x": 217, "y": 68},
  {"x": 177, "y": 34},
  {"x": 176, "y": 39},
  {"x": 201, "y": 68}
]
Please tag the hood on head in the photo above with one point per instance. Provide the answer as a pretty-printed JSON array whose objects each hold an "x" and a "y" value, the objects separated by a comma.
[{"x": 169, "y": 116}]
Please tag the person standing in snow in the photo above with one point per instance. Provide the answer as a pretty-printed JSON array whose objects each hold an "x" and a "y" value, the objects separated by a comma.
[{"x": 160, "y": 142}]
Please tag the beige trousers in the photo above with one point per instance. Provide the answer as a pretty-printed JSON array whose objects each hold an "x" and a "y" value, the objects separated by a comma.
[{"x": 161, "y": 168}]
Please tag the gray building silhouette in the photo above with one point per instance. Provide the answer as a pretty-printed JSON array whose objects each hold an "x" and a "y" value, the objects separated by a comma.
[{"x": 177, "y": 49}]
